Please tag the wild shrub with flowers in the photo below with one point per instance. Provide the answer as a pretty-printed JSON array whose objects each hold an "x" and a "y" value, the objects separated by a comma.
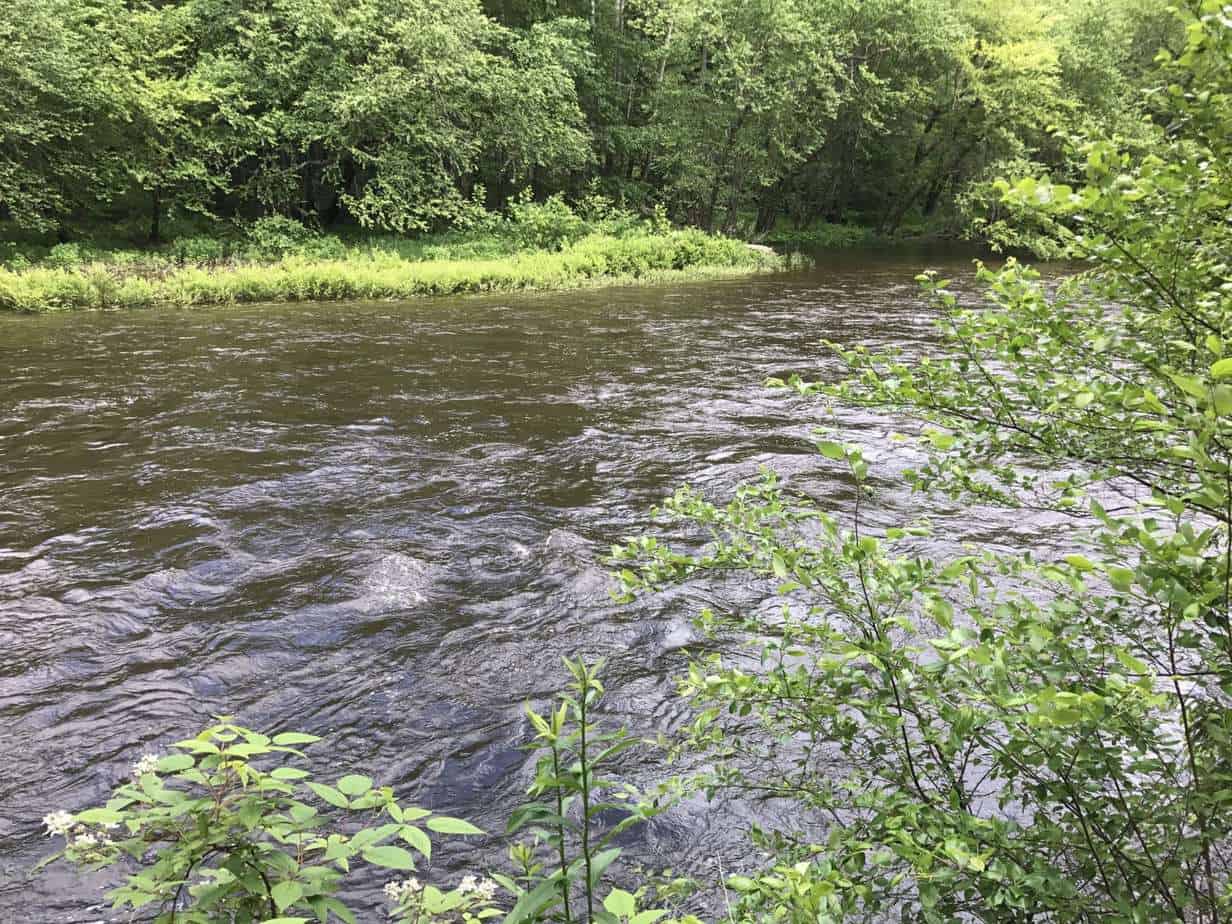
[{"x": 214, "y": 837}]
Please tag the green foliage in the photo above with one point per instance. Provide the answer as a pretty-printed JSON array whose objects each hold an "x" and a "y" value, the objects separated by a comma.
[
  {"x": 826, "y": 235},
  {"x": 216, "y": 837},
  {"x": 274, "y": 237},
  {"x": 470, "y": 902},
  {"x": 65, "y": 255},
  {"x": 416, "y": 118},
  {"x": 582, "y": 811},
  {"x": 199, "y": 249},
  {"x": 548, "y": 225},
  {"x": 997, "y": 736}
]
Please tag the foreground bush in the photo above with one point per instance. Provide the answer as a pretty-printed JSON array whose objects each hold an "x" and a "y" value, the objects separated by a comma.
[
  {"x": 593, "y": 259},
  {"x": 215, "y": 836}
]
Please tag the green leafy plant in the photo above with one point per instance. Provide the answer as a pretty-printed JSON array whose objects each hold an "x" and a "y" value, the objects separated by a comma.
[
  {"x": 66, "y": 255},
  {"x": 573, "y": 836},
  {"x": 549, "y": 225},
  {"x": 217, "y": 837},
  {"x": 276, "y": 236},
  {"x": 200, "y": 249}
]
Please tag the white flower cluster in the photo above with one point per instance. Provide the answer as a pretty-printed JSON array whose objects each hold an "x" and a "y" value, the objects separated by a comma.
[
  {"x": 79, "y": 837},
  {"x": 87, "y": 841},
  {"x": 58, "y": 824},
  {"x": 483, "y": 889},
  {"x": 399, "y": 892},
  {"x": 147, "y": 764}
]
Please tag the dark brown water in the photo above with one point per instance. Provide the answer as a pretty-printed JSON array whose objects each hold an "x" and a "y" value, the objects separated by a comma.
[{"x": 384, "y": 524}]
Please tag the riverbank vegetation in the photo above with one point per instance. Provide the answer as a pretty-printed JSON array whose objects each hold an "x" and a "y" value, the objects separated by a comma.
[
  {"x": 374, "y": 273},
  {"x": 540, "y": 246},
  {"x": 999, "y": 735}
]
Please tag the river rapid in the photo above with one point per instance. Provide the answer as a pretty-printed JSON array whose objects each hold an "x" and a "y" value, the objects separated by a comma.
[{"x": 385, "y": 524}]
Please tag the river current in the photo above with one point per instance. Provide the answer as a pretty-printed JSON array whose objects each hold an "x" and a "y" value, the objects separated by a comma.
[{"x": 385, "y": 524}]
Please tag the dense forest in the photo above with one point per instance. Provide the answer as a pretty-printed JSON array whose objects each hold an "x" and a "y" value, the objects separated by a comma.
[{"x": 409, "y": 116}]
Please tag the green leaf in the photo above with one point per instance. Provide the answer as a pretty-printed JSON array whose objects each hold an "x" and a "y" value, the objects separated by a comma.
[
  {"x": 287, "y": 893},
  {"x": 1120, "y": 578},
  {"x": 330, "y": 795},
  {"x": 354, "y": 785},
  {"x": 533, "y": 903},
  {"x": 831, "y": 450},
  {"x": 99, "y": 816},
  {"x": 342, "y": 911},
  {"x": 173, "y": 763},
  {"x": 600, "y": 862},
  {"x": 443, "y": 824},
  {"x": 620, "y": 903},
  {"x": 1080, "y": 563},
  {"x": 1221, "y": 398},
  {"x": 1189, "y": 385},
  {"x": 1221, "y": 369},
  {"x": 390, "y": 856},
  {"x": 417, "y": 839}
]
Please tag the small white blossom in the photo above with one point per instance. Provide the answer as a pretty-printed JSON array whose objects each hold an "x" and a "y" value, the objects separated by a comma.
[
  {"x": 147, "y": 764},
  {"x": 85, "y": 841},
  {"x": 399, "y": 892},
  {"x": 486, "y": 890},
  {"x": 58, "y": 823},
  {"x": 482, "y": 889}
]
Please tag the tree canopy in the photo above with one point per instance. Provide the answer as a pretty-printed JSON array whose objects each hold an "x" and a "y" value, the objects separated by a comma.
[{"x": 418, "y": 116}]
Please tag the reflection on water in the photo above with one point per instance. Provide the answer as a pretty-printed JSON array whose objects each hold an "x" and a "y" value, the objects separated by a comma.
[{"x": 383, "y": 523}]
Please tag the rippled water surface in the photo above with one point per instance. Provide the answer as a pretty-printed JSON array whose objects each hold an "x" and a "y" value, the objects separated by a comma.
[{"x": 384, "y": 523}]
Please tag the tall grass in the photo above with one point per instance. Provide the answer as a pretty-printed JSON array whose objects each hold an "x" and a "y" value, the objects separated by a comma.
[{"x": 379, "y": 273}]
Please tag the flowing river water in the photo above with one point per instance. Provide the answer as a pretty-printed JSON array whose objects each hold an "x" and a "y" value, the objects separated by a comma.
[{"x": 385, "y": 524}]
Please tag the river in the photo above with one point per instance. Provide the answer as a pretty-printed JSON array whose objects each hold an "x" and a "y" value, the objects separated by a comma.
[{"x": 385, "y": 523}]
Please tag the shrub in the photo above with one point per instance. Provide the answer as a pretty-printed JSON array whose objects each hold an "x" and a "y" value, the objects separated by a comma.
[
  {"x": 14, "y": 256},
  {"x": 548, "y": 225},
  {"x": 216, "y": 837},
  {"x": 199, "y": 249},
  {"x": 276, "y": 236},
  {"x": 62, "y": 256},
  {"x": 211, "y": 835}
]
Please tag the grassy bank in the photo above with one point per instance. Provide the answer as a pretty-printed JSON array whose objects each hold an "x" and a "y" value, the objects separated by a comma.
[{"x": 376, "y": 273}]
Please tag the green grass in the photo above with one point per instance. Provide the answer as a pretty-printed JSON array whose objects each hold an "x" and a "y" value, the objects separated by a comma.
[{"x": 373, "y": 271}]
